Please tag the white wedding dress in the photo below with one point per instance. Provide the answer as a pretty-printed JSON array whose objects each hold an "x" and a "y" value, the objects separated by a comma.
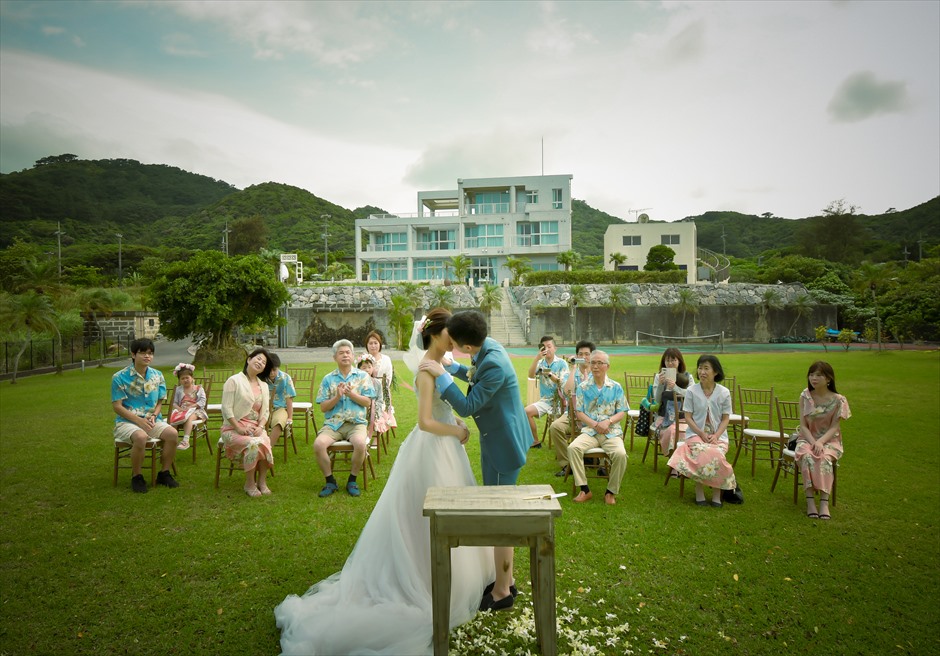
[{"x": 380, "y": 603}]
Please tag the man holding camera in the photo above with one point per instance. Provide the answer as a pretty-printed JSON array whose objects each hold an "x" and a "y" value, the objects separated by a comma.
[
  {"x": 552, "y": 373},
  {"x": 578, "y": 372}
]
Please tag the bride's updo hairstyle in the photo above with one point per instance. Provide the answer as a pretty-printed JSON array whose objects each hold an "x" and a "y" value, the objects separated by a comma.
[{"x": 434, "y": 323}]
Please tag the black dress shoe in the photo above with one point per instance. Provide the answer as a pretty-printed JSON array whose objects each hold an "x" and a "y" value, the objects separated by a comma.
[
  {"x": 488, "y": 589},
  {"x": 488, "y": 603},
  {"x": 562, "y": 472},
  {"x": 537, "y": 445}
]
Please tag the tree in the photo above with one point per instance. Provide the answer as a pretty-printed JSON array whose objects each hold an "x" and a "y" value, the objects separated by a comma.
[
  {"x": 660, "y": 258},
  {"x": 836, "y": 236},
  {"x": 802, "y": 304},
  {"x": 488, "y": 299},
  {"x": 461, "y": 265},
  {"x": 568, "y": 259},
  {"x": 401, "y": 316},
  {"x": 618, "y": 300},
  {"x": 29, "y": 312},
  {"x": 210, "y": 295},
  {"x": 687, "y": 303},
  {"x": 822, "y": 336},
  {"x": 98, "y": 303},
  {"x": 442, "y": 297},
  {"x": 769, "y": 300},
  {"x": 518, "y": 267},
  {"x": 248, "y": 235},
  {"x": 617, "y": 259}
]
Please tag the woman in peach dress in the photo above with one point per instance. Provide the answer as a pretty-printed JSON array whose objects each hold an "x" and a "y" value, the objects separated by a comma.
[
  {"x": 244, "y": 415},
  {"x": 819, "y": 445}
]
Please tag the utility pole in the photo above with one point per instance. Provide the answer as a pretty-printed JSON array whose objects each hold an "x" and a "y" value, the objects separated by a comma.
[
  {"x": 225, "y": 238},
  {"x": 59, "y": 233},
  {"x": 326, "y": 237},
  {"x": 724, "y": 248},
  {"x": 120, "y": 264}
]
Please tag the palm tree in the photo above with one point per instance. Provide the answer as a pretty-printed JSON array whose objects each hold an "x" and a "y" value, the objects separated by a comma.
[
  {"x": 802, "y": 304},
  {"x": 97, "y": 303},
  {"x": 28, "y": 311},
  {"x": 617, "y": 259},
  {"x": 461, "y": 265},
  {"x": 39, "y": 275},
  {"x": 401, "y": 316},
  {"x": 488, "y": 299},
  {"x": 518, "y": 267},
  {"x": 578, "y": 294},
  {"x": 568, "y": 259},
  {"x": 618, "y": 301},
  {"x": 769, "y": 300},
  {"x": 442, "y": 297},
  {"x": 413, "y": 295},
  {"x": 687, "y": 303}
]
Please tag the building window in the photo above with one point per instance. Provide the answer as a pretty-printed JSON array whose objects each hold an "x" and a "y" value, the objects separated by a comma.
[
  {"x": 669, "y": 240},
  {"x": 545, "y": 266},
  {"x": 482, "y": 270},
  {"x": 382, "y": 271},
  {"x": 483, "y": 236},
  {"x": 436, "y": 240},
  {"x": 532, "y": 197},
  {"x": 537, "y": 233},
  {"x": 391, "y": 241},
  {"x": 556, "y": 199},
  {"x": 430, "y": 269},
  {"x": 632, "y": 240},
  {"x": 490, "y": 202}
]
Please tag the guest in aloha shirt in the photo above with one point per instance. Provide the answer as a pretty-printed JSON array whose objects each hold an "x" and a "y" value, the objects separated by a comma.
[
  {"x": 345, "y": 396},
  {"x": 601, "y": 406},
  {"x": 819, "y": 445},
  {"x": 137, "y": 394},
  {"x": 577, "y": 374},
  {"x": 282, "y": 393},
  {"x": 552, "y": 372},
  {"x": 702, "y": 456},
  {"x": 244, "y": 417}
]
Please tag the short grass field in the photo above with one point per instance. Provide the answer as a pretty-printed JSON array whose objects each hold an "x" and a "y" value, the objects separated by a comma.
[{"x": 88, "y": 568}]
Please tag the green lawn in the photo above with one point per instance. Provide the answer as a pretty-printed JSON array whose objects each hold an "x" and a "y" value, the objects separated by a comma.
[{"x": 92, "y": 569}]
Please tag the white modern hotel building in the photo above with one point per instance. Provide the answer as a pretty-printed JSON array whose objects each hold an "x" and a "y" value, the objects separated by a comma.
[{"x": 485, "y": 219}]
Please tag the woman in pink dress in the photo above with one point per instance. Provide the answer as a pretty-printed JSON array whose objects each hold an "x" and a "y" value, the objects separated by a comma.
[
  {"x": 702, "y": 457},
  {"x": 244, "y": 415},
  {"x": 819, "y": 445},
  {"x": 383, "y": 372}
]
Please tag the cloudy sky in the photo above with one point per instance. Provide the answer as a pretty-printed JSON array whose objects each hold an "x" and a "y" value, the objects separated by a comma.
[{"x": 673, "y": 108}]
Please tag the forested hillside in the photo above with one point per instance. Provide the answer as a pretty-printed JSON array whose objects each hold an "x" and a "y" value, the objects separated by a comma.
[{"x": 157, "y": 206}]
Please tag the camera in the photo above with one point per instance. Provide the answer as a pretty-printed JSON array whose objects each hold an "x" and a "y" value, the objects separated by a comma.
[{"x": 576, "y": 360}]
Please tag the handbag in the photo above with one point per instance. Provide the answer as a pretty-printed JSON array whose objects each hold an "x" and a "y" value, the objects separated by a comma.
[
  {"x": 643, "y": 422},
  {"x": 792, "y": 443},
  {"x": 735, "y": 496}
]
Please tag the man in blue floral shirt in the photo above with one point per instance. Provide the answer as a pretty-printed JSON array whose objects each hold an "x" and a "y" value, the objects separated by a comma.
[
  {"x": 345, "y": 397},
  {"x": 601, "y": 406},
  {"x": 137, "y": 394}
]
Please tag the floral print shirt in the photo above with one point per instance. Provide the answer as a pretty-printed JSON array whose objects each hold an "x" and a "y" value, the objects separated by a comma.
[
  {"x": 546, "y": 384},
  {"x": 601, "y": 403},
  {"x": 346, "y": 410},
  {"x": 281, "y": 388},
  {"x": 138, "y": 393}
]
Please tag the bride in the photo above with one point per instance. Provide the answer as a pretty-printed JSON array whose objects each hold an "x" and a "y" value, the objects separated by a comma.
[{"x": 380, "y": 603}]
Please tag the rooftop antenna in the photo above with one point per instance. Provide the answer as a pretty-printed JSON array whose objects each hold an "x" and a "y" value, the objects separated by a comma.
[
  {"x": 543, "y": 156},
  {"x": 636, "y": 212}
]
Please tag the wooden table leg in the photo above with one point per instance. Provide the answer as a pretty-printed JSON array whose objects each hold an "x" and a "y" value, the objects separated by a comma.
[
  {"x": 440, "y": 590},
  {"x": 542, "y": 554}
]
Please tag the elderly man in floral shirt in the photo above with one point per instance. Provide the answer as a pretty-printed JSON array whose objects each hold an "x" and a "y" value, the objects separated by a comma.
[
  {"x": 345, "y": 396},
  {"x": 601, "y": 405}
]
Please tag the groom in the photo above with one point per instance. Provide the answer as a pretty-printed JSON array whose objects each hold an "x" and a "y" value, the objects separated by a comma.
[{"x": 494, "y": 401}]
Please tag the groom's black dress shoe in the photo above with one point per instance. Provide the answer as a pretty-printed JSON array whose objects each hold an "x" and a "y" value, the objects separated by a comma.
[
  {"x": 489, "y": 589},
  {"x": 488, "y": 603}
]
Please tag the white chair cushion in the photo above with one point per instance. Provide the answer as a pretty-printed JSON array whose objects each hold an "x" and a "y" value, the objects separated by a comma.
[{"x": 762, "y": 434}]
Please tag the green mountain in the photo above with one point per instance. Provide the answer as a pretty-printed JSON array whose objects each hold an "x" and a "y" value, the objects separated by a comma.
[{"x": 153, "y": 205}]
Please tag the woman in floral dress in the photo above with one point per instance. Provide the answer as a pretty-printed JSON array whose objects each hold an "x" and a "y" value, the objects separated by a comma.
[
  {"x": 702, "y": 456},
  {"x": 819, "y": 445},
  {"x": 244, "y": 415}
]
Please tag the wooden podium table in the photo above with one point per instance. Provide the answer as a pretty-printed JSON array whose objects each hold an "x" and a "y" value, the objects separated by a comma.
[{"x": 501, "y": 516}]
